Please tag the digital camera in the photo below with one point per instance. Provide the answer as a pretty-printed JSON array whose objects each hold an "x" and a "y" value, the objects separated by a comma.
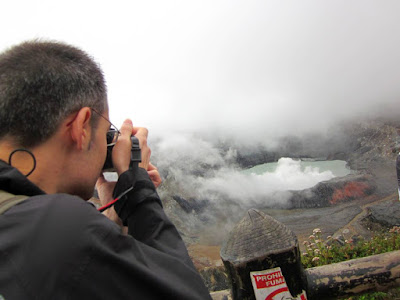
[{"x": 136, "y": 156}]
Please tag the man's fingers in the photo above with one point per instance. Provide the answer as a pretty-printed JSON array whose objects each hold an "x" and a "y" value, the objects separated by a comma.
[
  {"x": 140, "y": 130},
  {"x": 151, "y": 167},
  {"x": 141, "y": 133},
  {"x": 126, "y": 129},
  {"x": 155, "y": 177},
  {"x": 122, "y": 149}
]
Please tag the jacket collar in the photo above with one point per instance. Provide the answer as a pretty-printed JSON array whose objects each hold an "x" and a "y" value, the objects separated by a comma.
[{"x": 14, "y": 182}]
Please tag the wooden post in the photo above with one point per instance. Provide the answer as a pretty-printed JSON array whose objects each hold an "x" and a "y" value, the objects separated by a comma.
[{"x": 257, "y": 243}]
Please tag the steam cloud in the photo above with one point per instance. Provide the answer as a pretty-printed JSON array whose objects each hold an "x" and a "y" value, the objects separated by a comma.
[
  {"x": 206, "y": 172},
  {"x": 242, "y": 187}
]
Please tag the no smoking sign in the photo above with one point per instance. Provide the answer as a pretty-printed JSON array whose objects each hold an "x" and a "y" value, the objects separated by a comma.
[{"x": 271, "y": 285}]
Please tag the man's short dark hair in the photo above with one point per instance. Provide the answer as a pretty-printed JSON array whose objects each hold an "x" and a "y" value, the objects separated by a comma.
[{"x": 41, "y": 83}]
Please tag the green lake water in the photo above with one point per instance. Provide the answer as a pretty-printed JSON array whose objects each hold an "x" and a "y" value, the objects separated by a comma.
[{"x": 337, "y": 167}]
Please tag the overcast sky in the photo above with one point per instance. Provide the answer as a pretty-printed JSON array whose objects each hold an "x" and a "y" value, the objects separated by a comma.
[{"x": 234, "y": 67}]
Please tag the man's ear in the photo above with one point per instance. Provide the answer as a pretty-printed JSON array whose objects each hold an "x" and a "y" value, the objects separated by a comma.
[{"x": 80, "y": 128}]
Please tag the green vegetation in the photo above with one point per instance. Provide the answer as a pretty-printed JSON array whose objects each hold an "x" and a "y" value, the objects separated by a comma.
[
  {"x": 321, "y": 252},
  {"x": 375, "y": 296}
]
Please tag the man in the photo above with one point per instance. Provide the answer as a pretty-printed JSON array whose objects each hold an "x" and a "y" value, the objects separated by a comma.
[{"x": 54, "y": 127}]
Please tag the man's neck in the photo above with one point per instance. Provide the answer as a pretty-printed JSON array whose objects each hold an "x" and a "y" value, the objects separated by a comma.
[{"x": 42, "y": 171}]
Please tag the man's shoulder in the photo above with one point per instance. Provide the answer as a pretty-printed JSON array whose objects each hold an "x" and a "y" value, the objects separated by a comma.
[{"x": 50, "y": 236}]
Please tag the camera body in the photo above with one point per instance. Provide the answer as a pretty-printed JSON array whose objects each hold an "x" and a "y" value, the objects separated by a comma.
[{"x": 136, "y": 156}]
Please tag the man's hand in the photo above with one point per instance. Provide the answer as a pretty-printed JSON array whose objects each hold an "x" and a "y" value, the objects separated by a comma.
[
  {"x": 121, "y": 154},
  {"x": 121, "y": 157}
]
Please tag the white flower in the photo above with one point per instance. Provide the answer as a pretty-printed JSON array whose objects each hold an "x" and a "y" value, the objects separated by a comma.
[{"x": 315, "y": 259}]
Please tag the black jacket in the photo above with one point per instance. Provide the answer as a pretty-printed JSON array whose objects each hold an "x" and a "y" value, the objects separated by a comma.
[{"x": 60, "y": 247}]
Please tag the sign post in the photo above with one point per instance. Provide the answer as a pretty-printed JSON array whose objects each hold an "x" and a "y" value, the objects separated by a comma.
[{"x": 259, "y": 242}]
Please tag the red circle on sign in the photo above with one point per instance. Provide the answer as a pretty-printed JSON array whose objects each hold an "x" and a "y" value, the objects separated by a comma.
[{"x": 278, "y": 291}]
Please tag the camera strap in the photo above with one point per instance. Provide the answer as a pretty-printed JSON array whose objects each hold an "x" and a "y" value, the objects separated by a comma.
[
  {"x": 8, "y": 200},
  {"x": 136, "y": 154}
]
